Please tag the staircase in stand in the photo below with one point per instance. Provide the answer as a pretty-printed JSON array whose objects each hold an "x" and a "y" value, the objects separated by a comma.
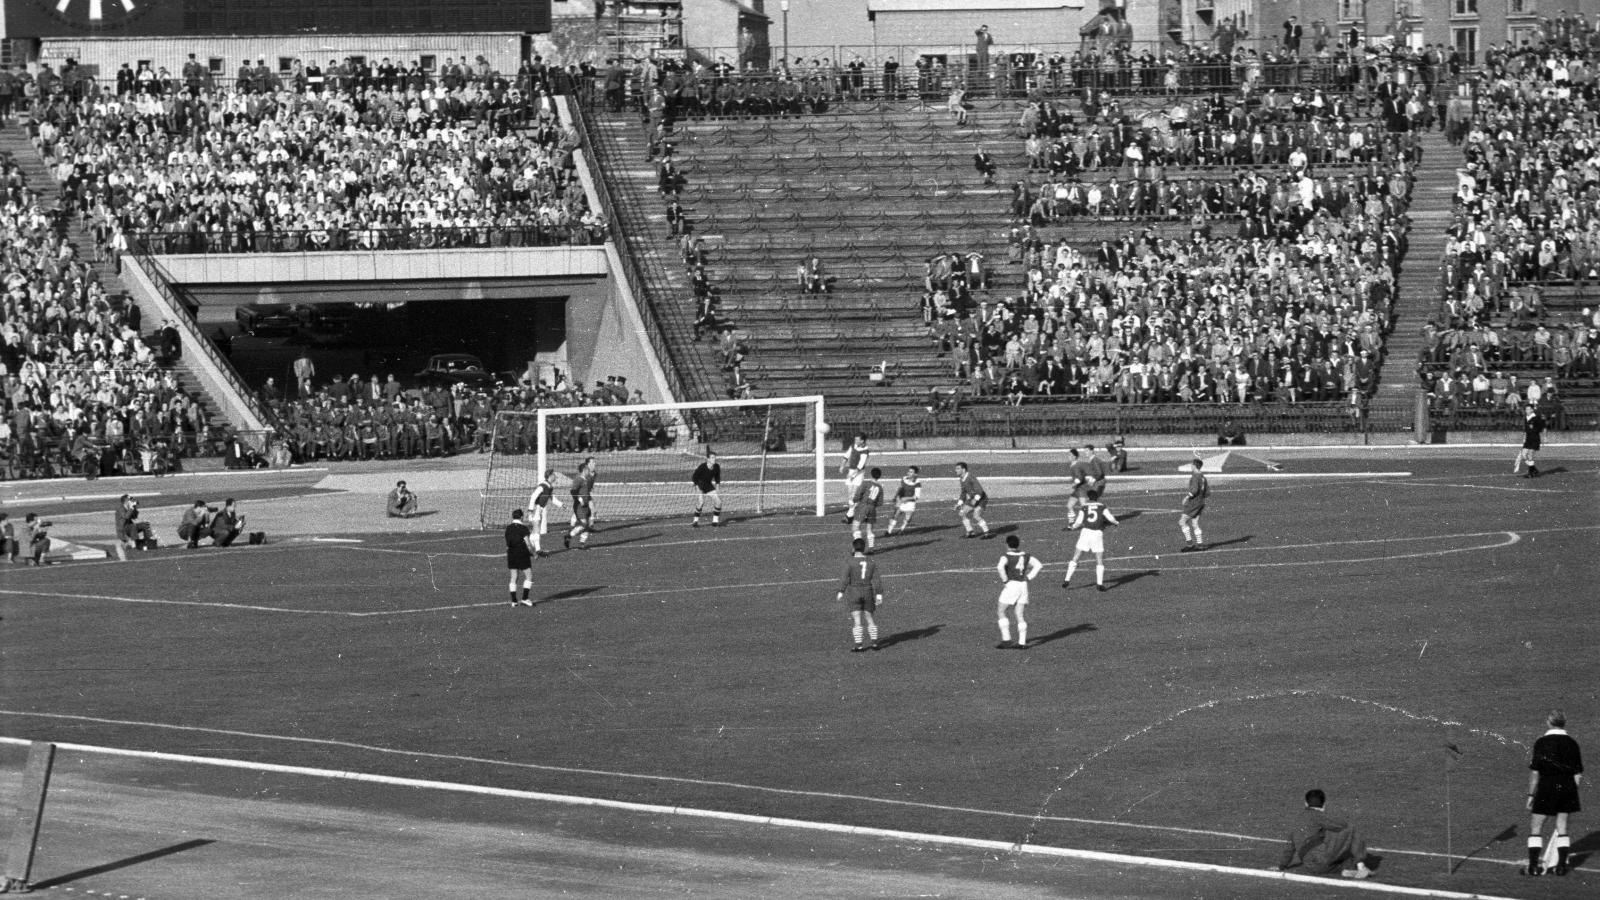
[
  {"x": 14, "y": 140},
  {"x": 1417, "y": 293}
]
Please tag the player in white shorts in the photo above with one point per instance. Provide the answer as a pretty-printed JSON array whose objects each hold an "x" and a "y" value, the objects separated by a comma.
[
  {"x": 905, "y": 500},
  {"x": 1016, "y": 569},
  {"x": 854, "y": 469},
  {"x": 544, "y": 496},
  {"x": 1092, "y": 520}
]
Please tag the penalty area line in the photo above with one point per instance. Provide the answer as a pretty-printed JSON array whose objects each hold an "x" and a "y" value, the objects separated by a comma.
[{"x": 1100, "y": 856}]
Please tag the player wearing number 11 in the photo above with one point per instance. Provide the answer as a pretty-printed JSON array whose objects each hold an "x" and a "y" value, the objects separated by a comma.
[
  {"x": 1092, "y": 520},
  {"x": 861, "y": 591}
]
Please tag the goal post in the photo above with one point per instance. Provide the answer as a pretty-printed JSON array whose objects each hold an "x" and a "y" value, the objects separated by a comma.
[{"x": 772, "y": 452}]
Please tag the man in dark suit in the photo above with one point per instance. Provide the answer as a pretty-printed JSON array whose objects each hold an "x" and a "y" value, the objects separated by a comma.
[
  {"x": 1292, "y": 32},
  {"x": 985, "y": 165}
]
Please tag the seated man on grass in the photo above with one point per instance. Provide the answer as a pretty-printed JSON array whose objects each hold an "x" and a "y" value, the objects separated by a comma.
[
  {"x": 402, "y": 502},
  {"x": 1322, "y": 844}
]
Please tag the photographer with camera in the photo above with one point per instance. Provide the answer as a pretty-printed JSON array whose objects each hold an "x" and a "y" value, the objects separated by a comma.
[
  {"x": 37, "y": 534},
  {"x": 402, "y": 502},
  {"x": 196, "y": 523},
  {"x": 132, "y": 534},
  {"x": 226, "y": 524}
]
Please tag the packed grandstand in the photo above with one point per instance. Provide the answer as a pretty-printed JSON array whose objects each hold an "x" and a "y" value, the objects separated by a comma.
[{"x": 1228, "y": 230}]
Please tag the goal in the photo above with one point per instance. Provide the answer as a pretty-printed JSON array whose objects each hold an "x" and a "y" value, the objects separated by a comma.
[{"x": 771, "y": 452}]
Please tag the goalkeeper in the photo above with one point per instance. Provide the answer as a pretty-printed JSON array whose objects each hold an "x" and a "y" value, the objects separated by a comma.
[
  {"x": 707, "y": 478},
  {"x": 540, "y": 502}
]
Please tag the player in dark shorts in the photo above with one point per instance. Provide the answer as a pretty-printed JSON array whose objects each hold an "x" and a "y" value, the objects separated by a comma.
[
  {"x": 861, "y": 590},
  {"x": 1532, "y": 433},
  {"x": 707, "y": 479},
  {"x": 1556, "y": 770},
  {"x": 582, "y": 506},
  {"x": 1194, "y": 503},
  {"x": 519, "y": 557}
]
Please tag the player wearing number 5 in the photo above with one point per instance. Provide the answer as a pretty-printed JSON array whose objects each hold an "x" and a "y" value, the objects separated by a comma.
[
  {"x": 1092, "y": 520},
  {"x": 861, "y": 591},
  {"x": 1016, "y": 569},
  {"x": 854, "y": 469}
]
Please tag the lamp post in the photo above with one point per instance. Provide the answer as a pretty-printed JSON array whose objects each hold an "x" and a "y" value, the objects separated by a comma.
[{"x": 784, "y": 5}]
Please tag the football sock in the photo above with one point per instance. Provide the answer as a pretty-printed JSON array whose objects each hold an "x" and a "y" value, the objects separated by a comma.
[
  {"x": 527, "y": 589},
  {"x": 1022, "y": 630},
  {"x": 1199, "y": 536},
  {"x": 1100, "y": 573},
  {"x": 855, "y": 634},
  {"x": 1535, "y": 850},
  {"x": 1563, "y": 848},
  {"x": 872, "y": 539},
  {"x": 1184, "y": 527},
  {"x": 983, "y": 525},
  {"x": 872, "y": 632},
  {"x": 513, "y": 597},
  {"x": 1072, "y": 569},
  {"x": 1005, "y": 629},
  {"x": 716, "y": 517}
]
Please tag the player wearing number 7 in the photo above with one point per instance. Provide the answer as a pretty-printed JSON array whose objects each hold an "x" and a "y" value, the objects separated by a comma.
[
  {"x": 861, "y": 591},
  {"x": 1092, "y": 520}
]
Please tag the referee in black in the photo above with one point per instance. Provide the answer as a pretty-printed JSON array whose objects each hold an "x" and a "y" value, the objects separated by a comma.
[
  {"x": 519, "y": 557},
  {"x": 1557, "y": 770},
  {"x": 1532, "y": 432}
]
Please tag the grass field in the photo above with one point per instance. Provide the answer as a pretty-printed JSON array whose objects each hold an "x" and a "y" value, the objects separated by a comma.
[{"x": 1339, "y": 634}]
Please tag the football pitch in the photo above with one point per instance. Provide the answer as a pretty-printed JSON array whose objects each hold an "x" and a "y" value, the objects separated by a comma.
[{"x": 1355, "y": 617}]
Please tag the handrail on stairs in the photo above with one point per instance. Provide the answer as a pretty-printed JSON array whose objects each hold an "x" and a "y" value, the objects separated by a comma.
[{"x": 139, "y": 254}]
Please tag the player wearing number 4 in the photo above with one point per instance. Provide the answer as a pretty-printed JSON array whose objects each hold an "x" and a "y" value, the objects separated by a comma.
[
  {"x": 707, "y": 478},
  {"x": 544, "y": 496},
  {"x": 854, "y": 469},
  {"x": 1016, "y": 569},
  {"x": 864, "y": 509},
  {"x": 905, "y": 500},
  {"x": 861, "y": 591},
  {"x": 1092, "y": 520}
]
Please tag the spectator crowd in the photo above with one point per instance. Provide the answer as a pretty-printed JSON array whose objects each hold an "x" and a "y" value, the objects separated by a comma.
[
  {"x": 358, "y": 158},
  {"x": 1526, "y": 226}
]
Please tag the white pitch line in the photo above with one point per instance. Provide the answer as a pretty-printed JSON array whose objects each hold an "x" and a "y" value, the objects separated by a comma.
[
  {"x": 1511, "y": 538},
  {"x": 1479, "y": 487},
  {"x": 797, "y": 824}
]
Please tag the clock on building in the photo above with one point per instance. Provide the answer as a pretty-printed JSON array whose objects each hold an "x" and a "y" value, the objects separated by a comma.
[{"x": 97, "y": 15}]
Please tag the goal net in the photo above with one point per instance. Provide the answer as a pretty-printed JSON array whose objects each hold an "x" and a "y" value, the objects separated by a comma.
[{"x": 771, "y": 454}]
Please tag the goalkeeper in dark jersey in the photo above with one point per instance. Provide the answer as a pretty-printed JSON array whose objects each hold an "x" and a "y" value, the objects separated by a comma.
[
  {"x": 905, "y": 500},
  {"x": 707, "y": 478},
  {"x": 582, "y": 506}
]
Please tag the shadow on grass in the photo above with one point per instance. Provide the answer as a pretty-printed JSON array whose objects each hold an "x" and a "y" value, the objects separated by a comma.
[
  {"x": 570, "y": 594},
  {"x": 1583, "y": 848},
  {"x": 905, "y": 637},
  {"x": 898, "y": 546},
  {"x": 1128, "y": 516},
  {"x": 632, "y": 540},
  {"x": 1509, "y": 833},
  {"x": 120, "y": 864},
  {"x": 1131, "y": 577},
  {"x": 1241, "y": 539},
  {"x": 1060, "y": 633},
  {"x": 1003, "y": 529}
]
